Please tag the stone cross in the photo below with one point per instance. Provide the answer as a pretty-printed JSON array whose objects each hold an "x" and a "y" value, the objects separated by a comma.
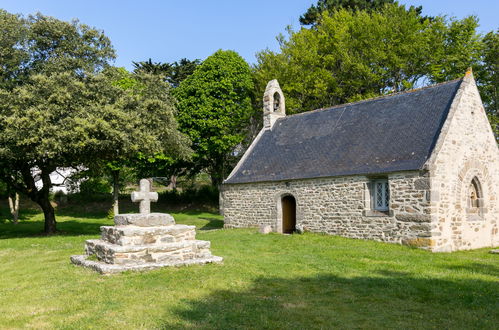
[{"x": 145, "y": 196}]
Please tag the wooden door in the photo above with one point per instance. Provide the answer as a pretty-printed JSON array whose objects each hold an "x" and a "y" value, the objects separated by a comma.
[{"x": 288, "y": 214}]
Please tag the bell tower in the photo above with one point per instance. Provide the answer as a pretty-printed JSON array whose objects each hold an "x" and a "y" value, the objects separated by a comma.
[{"x": 273, "y": 104}]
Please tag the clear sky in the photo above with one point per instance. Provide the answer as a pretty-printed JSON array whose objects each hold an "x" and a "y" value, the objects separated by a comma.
[{"x": 171, "y": 29}]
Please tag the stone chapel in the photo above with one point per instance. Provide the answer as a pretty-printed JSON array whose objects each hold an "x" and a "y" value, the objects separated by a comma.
[{"x": 419, "y": 168}]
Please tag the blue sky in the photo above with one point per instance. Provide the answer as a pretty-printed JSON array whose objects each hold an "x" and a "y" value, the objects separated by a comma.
[{"x": 170, "y": 29}]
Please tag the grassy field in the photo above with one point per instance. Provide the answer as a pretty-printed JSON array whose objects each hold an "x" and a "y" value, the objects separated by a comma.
[{"x": 266, "y": 282}]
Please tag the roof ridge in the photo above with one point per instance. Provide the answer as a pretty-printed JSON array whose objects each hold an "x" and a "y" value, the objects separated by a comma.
[{"x": 373, "y": 98}]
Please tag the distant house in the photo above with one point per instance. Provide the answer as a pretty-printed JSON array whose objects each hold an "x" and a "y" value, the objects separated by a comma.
[
  {"x": 59, "y": 179},
  {"x": 419, "y": 168}
]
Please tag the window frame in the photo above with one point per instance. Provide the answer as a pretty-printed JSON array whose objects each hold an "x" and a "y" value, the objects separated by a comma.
[{"x": 385, "y": 190}]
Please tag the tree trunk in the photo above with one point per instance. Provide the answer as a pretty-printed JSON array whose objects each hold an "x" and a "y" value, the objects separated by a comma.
[
  {"x": 14, "y": 207},
  {"x": 49, "y": 214},
  {"x": 116, "y": 192},
  {"x": 43, "y": 200},
  {"x": 173, "y": 182}
]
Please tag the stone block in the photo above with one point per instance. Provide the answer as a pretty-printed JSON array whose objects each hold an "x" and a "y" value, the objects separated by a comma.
[
  {"x": 135, "y": 235},
  {"x": 122, "y": 255},
  {"x": 107, "y": 269},
  {"x": 419, "y": 242},
  {"x": 144, "y": 220},
  {"x": 413, "y": 217},
  {"x": 265, "y": 229}
]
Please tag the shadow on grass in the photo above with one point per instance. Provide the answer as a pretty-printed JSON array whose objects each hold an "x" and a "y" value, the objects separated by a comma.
[
  {"x": 24, "y": 215},
  {"x": 326, "y": 301},
  {"x": 64, "y": 228},
  {"x": 213, "y": 223},
  {"x": 477, "y": 268}
]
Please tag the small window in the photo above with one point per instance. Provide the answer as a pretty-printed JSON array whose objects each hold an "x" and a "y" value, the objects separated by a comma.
[
  {"x": 474, "y": 196},
  {"x": 277, "y": 101},
  {"x": 381, "y": 195}
]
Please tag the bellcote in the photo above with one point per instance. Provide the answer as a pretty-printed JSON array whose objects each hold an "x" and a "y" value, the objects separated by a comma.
[{"x": 273, "y": 104}]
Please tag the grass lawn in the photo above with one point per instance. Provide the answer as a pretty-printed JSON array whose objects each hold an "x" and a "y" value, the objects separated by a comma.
[{"x": 266, "y": 281}]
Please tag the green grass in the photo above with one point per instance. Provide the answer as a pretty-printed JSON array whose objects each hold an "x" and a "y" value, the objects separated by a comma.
[{"x": 266, "y": 281}]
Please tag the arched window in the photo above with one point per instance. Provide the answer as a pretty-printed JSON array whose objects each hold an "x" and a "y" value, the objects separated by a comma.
[
  {"x": 277, "y": 101},
  {"x": 474, "y": 196}
]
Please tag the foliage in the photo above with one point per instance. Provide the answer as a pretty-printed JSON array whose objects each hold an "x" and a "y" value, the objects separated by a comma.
[
  {"x": 266, "y": 281},
  {"x": 214, "y": 106},
  {"x": 204, "y": 195},
  {"x": 356, "y": 55},
  {"x": 488, "y": 78},
  {"x": 312, "y": 16},
  {"x": 173, "y": 73},
  {"x": 96, "y": 185},
  {"x": 59, "y": 108},
  {"x": 161, "y": 164},
  {"x": 40, "y": 44}
]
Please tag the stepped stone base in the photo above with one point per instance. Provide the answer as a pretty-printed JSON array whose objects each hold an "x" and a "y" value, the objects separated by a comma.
[
  {"x": 104, "y": 268},
  {"x": 144, "y": 242}
]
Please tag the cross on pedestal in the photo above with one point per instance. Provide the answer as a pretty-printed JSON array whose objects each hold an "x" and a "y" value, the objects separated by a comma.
[{"x": 145, "y": 196}]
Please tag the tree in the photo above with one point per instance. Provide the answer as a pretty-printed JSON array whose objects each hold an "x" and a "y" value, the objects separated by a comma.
[
  {"x": 488, "y": 78},
  {"x": 313, "y": 14},
  {"x": 173, "y": 73},
  {"x": 146, "y": 90},
  {"x": 214, "y": 106},
  {"x": 58, "y": 109},
  {"x": 354, "y": 55},
  {"x": 165, "y": 165},
  {"x": 14, "y": 206}
]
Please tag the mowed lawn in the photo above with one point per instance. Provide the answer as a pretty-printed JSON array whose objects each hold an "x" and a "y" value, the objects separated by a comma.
[{"x": 266, "y": 282}]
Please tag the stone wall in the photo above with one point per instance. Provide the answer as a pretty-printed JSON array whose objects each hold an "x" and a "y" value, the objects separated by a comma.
[
  {"x": 338, "y": 206},
  {"x": 466, "y": 149}
]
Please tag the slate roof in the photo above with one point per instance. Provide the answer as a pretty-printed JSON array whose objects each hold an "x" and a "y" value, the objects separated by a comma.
[{"x": 386, "y": 134}]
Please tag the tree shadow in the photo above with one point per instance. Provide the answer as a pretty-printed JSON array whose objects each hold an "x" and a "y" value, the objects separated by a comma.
[
  {"x": 393, "y": 300},
  {"x": 33, "y": 229},
  {"x": 477, "y": 268},
  {"x": 213, "y": 223}
]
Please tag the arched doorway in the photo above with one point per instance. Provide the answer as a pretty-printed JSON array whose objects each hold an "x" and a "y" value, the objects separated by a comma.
[{"x": 288, "y": 204}]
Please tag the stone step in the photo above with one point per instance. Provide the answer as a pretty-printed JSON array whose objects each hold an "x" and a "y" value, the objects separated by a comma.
[
  {"x": 144, "y": 220},
  {"x": 105, "y": 268},
  {"x": 136, "y": 235},
  {"x": 137, "y": 254}
]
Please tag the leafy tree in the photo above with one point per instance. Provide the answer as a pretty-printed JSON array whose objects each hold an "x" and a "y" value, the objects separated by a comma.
[
  {"x": 58, "y": 109},
  {"x": 146, "y": 89},
  {"x": 214, "y": 106},
  {"x": 165, "y": 165},
  {"x": 173, "y": 73},
  {"x": 488, "y": 78},
  {"x": 354, "y": 55},
  {"x": 155, "y": 68},
  {"x": 313, "y": 14}
]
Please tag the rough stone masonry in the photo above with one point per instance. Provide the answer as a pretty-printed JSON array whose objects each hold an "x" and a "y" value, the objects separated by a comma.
[
  {"x": 144, "y": 241},
  {"x": 433, "y": 148}
]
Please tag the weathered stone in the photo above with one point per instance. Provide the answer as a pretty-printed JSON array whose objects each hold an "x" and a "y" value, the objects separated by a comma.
[
  {"x": 144, "y": 220},
  {"x": 144, "y": 241},
  {"x": 134, "y": 235},
  {"x": 412, "y": 217},
  {"x": 420, "y": 201},
  {"x": 107, "y": 269},
  {"x": 422, "y": 184},
  {"x": 144, "y": 196},
  {"x": 265, "y": 229},
  {"x": 420, "y": 242}
]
